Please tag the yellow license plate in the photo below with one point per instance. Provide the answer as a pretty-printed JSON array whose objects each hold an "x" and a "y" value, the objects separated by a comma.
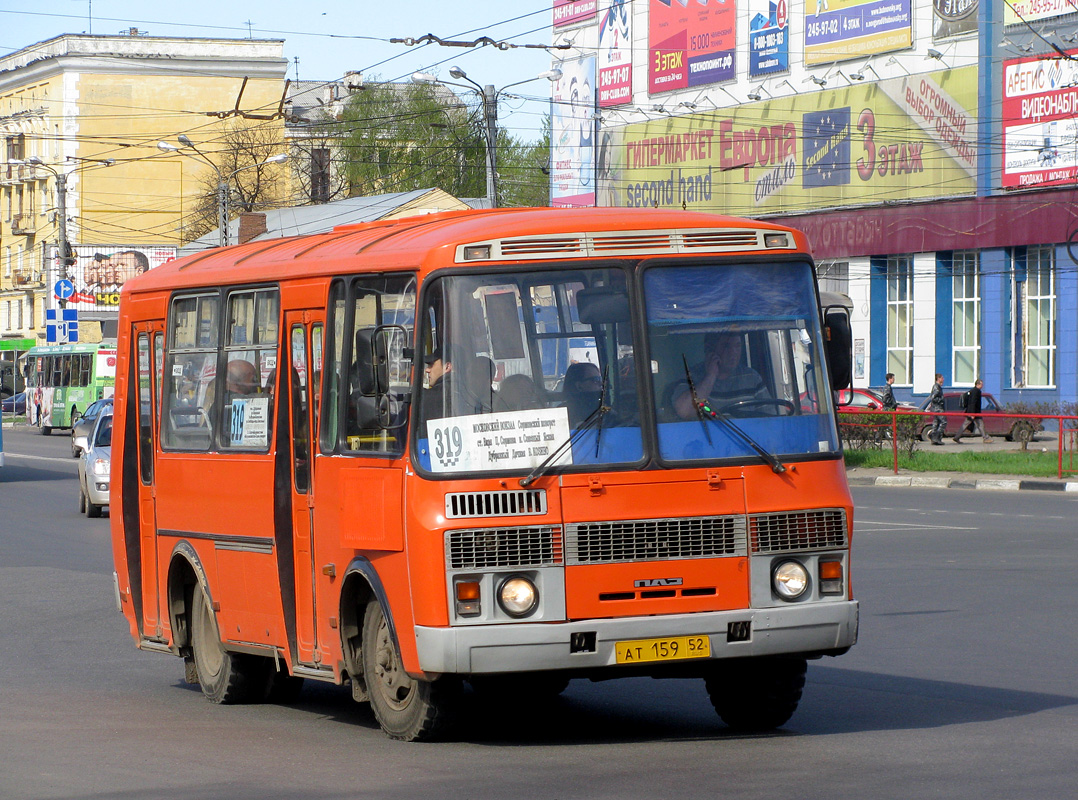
[{"x": 673, "y": 648}]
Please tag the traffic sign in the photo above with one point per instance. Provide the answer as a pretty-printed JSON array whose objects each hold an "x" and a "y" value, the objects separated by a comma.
[{"x": 63, "y": 289}]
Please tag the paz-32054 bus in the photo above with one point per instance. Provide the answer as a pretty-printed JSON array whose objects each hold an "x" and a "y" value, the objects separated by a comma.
[{"x": 497, "y": 448}]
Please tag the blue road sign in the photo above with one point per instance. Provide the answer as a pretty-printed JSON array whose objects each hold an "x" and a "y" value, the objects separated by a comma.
[{"x": 63, "y": 289}]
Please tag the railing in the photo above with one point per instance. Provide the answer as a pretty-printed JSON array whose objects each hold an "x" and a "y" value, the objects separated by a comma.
[{"x": 880, "y": 431}]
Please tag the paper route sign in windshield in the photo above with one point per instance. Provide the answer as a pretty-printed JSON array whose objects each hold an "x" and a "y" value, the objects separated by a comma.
[{"x": 507, "y": 441}]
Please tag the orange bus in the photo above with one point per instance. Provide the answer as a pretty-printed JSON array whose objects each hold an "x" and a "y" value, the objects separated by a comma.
[{"x": 497, "y": 448}]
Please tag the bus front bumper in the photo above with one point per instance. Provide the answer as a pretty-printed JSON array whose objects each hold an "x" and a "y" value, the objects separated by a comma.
[{"x": 805, "y": 628}]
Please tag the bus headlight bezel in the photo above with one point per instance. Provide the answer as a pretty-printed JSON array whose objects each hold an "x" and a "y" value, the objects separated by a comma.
[
  {"x": 790, "y": 580},
  {"x": 518, "y": 596}
]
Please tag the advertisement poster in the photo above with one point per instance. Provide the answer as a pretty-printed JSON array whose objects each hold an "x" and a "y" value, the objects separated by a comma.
[
  {"x": 905, "y": 138},
  {"x": 953, "y": 17},
  {"x": 570, "y": 12},
  {"x": 838, "y": 30},
  {"x": 99, "y": 272},
  {"x": 1019, "y": 12},
  {"x": 572, "y": 143},
  {"x": 1040, "y": 122},
  {"x": 615, "y": 53},
  {"x": 769, "y": 39},
  {"x": 690, "y": 44}
]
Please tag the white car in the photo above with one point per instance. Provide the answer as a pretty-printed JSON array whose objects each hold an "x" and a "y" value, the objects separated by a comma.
[{"x": 95, "y": 467}]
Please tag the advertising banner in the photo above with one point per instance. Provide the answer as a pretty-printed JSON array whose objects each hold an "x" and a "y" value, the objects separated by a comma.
[
  {"x": 1019, "y": 12},
  {"x": 843, "y": 29},
  {"x": 572, "y": 142},
  {"x": 615, "y": 54},
  {"x": 690, "y": 44},
  {"x": 570, "y": 12},
  {"x": 1040, "y": 122},
  {"x": 901, "y": 139},
  {"x": 769, "y": 39},
  {"x": 953, "y": 17},
  {"x": 100, "y": 272}
]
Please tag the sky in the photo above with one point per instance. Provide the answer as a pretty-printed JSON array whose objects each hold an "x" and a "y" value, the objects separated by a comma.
[{"x": 332, "y": 37}]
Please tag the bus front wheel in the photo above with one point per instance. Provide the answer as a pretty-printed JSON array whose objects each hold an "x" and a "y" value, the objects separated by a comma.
[
  {"x": 757, "y": 694},
  {"x": 407, "y": 708},
  {"x": 225, "y": 677}
]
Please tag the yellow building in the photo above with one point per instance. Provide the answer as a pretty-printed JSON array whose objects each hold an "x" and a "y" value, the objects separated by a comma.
[{"x": 85, "y": 114}]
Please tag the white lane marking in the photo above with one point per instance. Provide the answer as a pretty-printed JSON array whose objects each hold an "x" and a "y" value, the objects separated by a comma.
[{"x": 72, "y": 461}]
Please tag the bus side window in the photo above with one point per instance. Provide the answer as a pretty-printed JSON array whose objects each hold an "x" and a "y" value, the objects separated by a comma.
[{"x": 190, "y": 373}]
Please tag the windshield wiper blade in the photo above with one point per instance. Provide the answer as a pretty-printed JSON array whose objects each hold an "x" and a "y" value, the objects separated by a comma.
[
  {"x": 595, "y": 418},
  {"x": 706, "y": 412}
]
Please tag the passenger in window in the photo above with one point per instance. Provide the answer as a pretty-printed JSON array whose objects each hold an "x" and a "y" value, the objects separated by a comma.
[
  {"x": 722, "y": 379},
  {"x": 242, "y": 378},
  {"x": 437, "y": 393},
  {"x": 517, "y": 393},
  {"x": 479, "y": 386},
  {"x": 582, "y": 387}
]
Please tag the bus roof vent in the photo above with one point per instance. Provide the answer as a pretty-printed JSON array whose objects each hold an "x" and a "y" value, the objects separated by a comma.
[
  {"x": 722, "y": 239},
  {"x": 571, "y": 245},
  {"x": 479, "y": 505}
]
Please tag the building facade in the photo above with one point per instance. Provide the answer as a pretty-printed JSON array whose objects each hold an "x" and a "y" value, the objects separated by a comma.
[{"x": 929, "y": 148}]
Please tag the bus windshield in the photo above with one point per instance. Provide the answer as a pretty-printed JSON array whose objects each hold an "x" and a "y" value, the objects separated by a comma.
[
  {"x": 516, "y": 363},
  {"x": 736, "y": 346}
]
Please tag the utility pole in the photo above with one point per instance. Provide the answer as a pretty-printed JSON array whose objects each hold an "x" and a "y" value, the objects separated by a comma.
[
  {"x": 61, "y": 226},
  {"x": 490, "y": 117}
]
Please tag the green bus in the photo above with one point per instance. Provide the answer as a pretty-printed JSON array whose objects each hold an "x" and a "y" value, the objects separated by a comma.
[{"x": 63, "y": 379}]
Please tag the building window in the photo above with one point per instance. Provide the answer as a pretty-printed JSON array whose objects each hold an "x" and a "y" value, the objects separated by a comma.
[
  {"x": 965, "y": 318},
  {"x": 1035, "y": 313},
  {"x": 320, "y": 175},
  {"x": 834, "y": 276},
  {"x": 900, "y": 319}
]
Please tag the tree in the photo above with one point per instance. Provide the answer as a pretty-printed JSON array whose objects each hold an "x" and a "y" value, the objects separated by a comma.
[{"x": 524, "y": 170}]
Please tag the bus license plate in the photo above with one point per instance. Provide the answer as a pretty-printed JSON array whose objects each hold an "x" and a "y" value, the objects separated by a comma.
[{"x": 673, "y": 648}]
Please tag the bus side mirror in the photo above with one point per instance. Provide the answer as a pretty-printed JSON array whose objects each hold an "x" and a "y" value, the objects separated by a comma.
[{"x": 838, "y": 349}]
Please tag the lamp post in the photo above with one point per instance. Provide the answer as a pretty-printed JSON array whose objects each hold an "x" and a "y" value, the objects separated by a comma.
[
  {"x": 63, "y": 245},
  {"x": 222, "y": 179},
  {"x": 489, "y": 97}
]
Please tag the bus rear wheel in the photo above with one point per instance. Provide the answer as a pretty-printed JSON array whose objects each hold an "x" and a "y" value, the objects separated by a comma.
[
  {"x": 225, "y": 677},
  {"x": 407, "y": 708},
  {"x": 757, "y": 694}
]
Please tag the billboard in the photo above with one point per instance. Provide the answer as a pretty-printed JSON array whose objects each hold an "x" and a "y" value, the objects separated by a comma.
[
  {"x": 953, "y": 17},
  {"x": 1019, "y": 12},
  {"x": 1040, "y": 122},
  {"x": 99, "y": 272},
  {"x": 690, "y": 44},
  {"x": 845, "y": 29},
  {"x": 570, "y": 12},
  {"x": 572, "y": 173},
  {"x": 900, "y": 139},
  {"x": 615, "y": 53},
  {"x": 769, "y": 38}
]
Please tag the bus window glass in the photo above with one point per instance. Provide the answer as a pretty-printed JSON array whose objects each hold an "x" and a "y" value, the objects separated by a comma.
[
  {"x": 744, "y": 342},
  {"x": 300, "y": 437},
  {"x": 250, "y": 365},
  {"x": 517, "y": 362},
  {"x": 332, "y": 379},
  {"x": 316, "y": 370},
  {"x": 190, "y": 373},
  {"x": 145, "y": 399}
]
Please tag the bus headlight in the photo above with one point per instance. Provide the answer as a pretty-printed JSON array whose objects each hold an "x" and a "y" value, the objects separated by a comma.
[
  {"x": 790, "y": 580},
  {"x": 518, "y": 596}
]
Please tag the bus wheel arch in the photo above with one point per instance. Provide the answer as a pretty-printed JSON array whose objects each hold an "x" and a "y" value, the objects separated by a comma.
[{"x": 360, "y": 585}]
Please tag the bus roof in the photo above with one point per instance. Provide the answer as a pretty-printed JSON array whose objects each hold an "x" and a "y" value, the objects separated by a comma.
[{"x": 433, "y": 240}]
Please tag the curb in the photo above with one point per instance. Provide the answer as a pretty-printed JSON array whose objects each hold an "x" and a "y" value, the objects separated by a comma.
[{"x": 991, "y": 484}]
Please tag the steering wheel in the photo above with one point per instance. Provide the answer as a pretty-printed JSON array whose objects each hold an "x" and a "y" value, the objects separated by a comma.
[{"x": 735, "y": 409}]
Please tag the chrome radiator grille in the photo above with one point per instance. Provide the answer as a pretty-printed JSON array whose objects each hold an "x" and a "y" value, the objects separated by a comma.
[
  {"x": 818, "y": 529},
  {"x": 516, "y": 503},
  {"x": 499, "y": 548},
  {"x": 655, "y": 539}
]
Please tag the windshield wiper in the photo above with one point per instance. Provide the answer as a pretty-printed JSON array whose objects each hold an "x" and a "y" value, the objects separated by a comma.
[
  {"x": 594, "y": 419},
  {"x": 706, "y": 412}
]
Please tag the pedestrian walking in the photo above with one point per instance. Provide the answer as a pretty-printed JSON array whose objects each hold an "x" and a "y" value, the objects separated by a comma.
[
  {"x": 889, "y": 402},
  {"x": 935, "y": 403},
  {"x": 971, "y": 404}
]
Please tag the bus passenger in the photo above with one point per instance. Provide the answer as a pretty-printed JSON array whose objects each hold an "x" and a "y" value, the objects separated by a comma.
[
  {"x": 436, "y": 394},
  {"x": 517, "y": 393},
  {"x": 721, "y": 379},
  {"x": 583, "y": 389},
  {"x": 242, "y": 378},
  {"x": 479, "y": 386}
]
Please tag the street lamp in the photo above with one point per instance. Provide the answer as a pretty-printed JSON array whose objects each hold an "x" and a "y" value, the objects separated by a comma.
[
  {"x": 222, "y": 179},
  {"x": 489, "y": 95}
]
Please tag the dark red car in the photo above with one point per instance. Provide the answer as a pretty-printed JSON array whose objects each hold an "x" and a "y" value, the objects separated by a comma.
[{"x": 1015, "y": 429}]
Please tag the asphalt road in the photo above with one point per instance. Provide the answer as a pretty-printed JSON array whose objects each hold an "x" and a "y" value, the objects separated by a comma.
[{"x": 963, "y": 683}]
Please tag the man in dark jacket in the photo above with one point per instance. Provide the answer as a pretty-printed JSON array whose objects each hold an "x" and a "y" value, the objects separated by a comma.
[
  {"x": 889, "y": 402},
  {"x": 973, "y": 422},
  {"x": 935, "y": 403}
]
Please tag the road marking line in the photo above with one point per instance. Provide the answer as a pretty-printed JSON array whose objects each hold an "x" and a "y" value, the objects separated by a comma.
[{"x": 42, "y": 458}]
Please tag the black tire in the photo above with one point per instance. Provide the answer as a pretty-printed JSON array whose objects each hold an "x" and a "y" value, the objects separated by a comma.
[
  {"x": 1021, "y": 432},
  {"x": 407, "y": 708},
  {"x": 93, "y": 510},
  {"x": 757, "y": 694},
  {"x": 925, "y": 431},
  {"x": 519, "y": 689},
  {"x": 46, "y": 430},
  {"x": 225, "y": 677},
  {"x": 75, "y": 452},
  {"x": 82, "y": 500}
]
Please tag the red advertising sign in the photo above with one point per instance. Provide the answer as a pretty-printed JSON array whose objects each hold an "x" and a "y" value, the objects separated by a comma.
[
  {"x": 1040, "y": 122},
  {"x": 690, "y": 44}
]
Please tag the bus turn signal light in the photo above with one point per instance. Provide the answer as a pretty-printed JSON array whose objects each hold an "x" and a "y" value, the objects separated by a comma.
[
  {"x": 468, "y": 604},
  {"x": 830, "y": 577}
]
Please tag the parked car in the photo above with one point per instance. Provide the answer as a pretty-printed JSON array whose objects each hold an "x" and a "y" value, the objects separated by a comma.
[
  {"x": 1014, "y": 429},
  {"x": 862, "y": 400},
  {"x": 95, "y": 467},
  {"x": 16, "y": 404},
  {"x": 85, "y": 425}
]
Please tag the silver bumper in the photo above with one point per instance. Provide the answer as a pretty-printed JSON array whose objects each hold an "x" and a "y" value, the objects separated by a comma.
[{"x": 801, "y": 628}]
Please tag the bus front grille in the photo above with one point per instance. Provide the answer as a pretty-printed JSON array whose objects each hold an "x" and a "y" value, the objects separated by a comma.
[
  {"x": 655, "y": 539},
  {"x": 511, "y": 503},
  {"x": 818, "y": 529},
  {"x": 501, "y": 548}
]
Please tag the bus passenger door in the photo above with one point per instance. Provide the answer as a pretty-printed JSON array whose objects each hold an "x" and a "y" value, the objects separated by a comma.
[
  {"x": 305, "y": 331},
  {"x": 150, "y": 352}
]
